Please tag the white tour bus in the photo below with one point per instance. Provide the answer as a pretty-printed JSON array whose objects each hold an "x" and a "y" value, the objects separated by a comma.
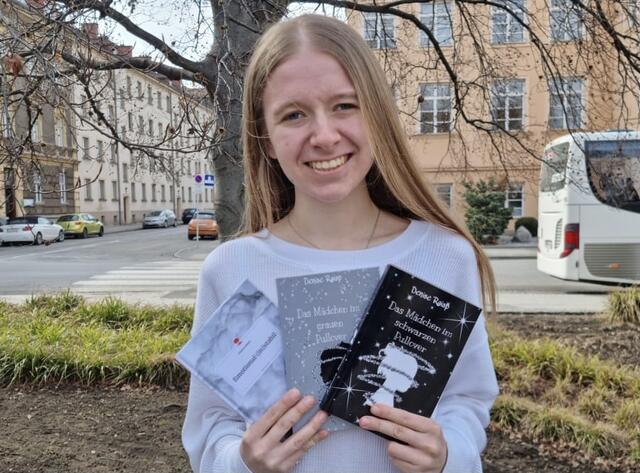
[{"x": 589, "y": 207}]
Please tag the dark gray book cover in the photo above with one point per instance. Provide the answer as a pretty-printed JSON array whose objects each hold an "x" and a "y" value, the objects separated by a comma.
[
  {"x": 404, "y": 351},
  {"x": 318, "y": 313}
]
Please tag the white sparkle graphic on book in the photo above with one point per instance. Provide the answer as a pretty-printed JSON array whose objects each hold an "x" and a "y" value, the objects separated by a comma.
[
  {"x": 462, "y": 321},
  {"x": 348, "y": 388}
]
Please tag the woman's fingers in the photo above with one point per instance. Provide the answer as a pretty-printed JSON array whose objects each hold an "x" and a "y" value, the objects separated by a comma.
[
  {"x": 304, "y": 438},
  {"x": 273, "y": 415},
  {"x": 400, "y": 416},
  {"x": 289, "y": 418},
  {"x": 391, "y": 429}
]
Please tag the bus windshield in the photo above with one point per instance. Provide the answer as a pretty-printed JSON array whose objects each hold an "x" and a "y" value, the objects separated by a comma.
[
  {"x": 554, "y": 168},
  {"x": 613, "y": 168}
]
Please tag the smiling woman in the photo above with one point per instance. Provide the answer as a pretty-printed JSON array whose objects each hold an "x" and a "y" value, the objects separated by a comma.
[{"x": 330, "y": 185}]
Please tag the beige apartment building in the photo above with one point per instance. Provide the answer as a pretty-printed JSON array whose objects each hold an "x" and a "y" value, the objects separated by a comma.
[{"x": 501, "y": 79}]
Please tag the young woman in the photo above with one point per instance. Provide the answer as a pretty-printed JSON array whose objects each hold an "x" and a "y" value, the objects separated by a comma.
[{"x": 331, "y": 185}]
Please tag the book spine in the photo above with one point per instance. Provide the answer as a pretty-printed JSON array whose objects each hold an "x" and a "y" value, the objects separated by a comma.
[{"x": 347, "y": 360}]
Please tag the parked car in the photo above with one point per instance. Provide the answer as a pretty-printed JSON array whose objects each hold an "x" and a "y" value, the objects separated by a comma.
[
  {"x": 187, "y": 215},
  {"x": 31, "y": 229},
  {"x": 3, "y": 222},
  {"x": 80, "y": 225},
  {"x": 203, "y": 224},
  {"x": 160, "y": 218}
]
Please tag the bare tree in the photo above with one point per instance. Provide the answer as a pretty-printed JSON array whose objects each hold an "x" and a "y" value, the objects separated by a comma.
[{"x": 558, "y": 39}]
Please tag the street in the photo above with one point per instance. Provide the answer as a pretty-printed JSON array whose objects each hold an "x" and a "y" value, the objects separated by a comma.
[{"x": 162, "y": 265}]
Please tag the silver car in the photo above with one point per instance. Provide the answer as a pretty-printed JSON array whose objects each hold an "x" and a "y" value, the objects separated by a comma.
[{"x": 159, "y": 218}]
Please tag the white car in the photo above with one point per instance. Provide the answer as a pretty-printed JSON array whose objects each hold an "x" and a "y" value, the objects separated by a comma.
[{"x": 31, "y": 229}]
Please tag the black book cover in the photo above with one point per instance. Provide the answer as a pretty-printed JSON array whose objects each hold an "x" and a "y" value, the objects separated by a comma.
[{"x": 404, "y": 350}]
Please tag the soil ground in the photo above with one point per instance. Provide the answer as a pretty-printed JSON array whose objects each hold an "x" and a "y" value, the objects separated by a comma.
[{"x": 68, "y": 429}]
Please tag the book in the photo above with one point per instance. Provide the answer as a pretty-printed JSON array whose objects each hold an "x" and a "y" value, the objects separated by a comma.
[
  {"x": 404, "y": 350},
  {"x": 319, "y": 313},
  {"x": 238, "y": 353}
]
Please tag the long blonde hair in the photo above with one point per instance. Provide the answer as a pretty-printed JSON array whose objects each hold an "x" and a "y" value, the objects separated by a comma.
[{"x": 393, "y": 181}]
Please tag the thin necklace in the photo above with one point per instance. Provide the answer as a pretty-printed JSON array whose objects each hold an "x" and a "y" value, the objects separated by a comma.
[{"x": 373, "y": 231}]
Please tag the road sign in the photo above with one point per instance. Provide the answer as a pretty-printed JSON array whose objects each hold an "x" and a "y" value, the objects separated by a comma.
[
  {"x": 208, "y": 180},
  {"x": 198, "y": 178}
]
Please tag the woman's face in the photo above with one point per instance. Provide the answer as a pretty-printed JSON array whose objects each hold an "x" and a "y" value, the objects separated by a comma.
[{"x": 315, "y": 127}]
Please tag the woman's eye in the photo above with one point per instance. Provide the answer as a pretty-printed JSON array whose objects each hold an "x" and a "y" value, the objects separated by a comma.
[
  {"x": 346, "y": 106},
  {"x": 293, "y": 116}
]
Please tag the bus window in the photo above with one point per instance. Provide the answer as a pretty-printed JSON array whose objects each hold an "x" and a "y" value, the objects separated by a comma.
[
  {"x": 554, "y": 167},
  {"x": 613, "y": 168}
]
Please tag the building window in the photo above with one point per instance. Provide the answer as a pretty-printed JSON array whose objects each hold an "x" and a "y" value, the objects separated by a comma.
[
  {"x": 85, "y": 147},
  {"x": 87, "y": 189},
  {"x": 144, "y": 192},
  {"x": 150, "y": 130},
  {"x": 379, "y": 30},
  {"x": 125, "y": 172},
  {"x": 190, "y": 196},
  {"x": 435, "y": 109},
  {"x": 62, "y": 185},
  {"x": 444, "y": 193},
  {"x": 100, "y": 150},
  {"x": 112, "y": 152},
  {"x": 168, "y": 103},
  {"x": 103, "y": 193},
  {"x": 130, "y": 120},
  {"x": 171, "y": 194},
  {"x": 507, "y": 102},
  {"x": 159, "y": 100},
  {"x": 129, "y": 87},
  {"x": 84, "y": 104},
  {"x": 141, "y": 124},
  {"x": 182, "y": 193},
  {"x": 438, "y": 17},
  {"x": 506, "y": 22},
  {"x": 515, "y": 199},
  {"x": 564, "y": 18},
  {"x": 37, "y": 187},
  {"x": 59, "y": 129},
  {"x": 114, "y": 188},
  {"x": 110, "y": 117},
  {"x": 163, "y": 194},
  {"x": 160, "y": 130},
  {"x": 565, "y": 104},
  {"x": 133, "y": 192},
  {"x": 139, "y": 90},
  {"x": 149, "y": 95},
  {"x": 35, "y": 130},
  {"x": 153, "y": 192}
]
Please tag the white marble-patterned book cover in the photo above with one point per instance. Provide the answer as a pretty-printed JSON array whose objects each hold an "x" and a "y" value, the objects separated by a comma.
[
  {"x": 238, "y": 353},
  {"x": 319, "y": 314}
]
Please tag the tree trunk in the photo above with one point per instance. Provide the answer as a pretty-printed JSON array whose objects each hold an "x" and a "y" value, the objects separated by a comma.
[{"x": 237, "y": 27}]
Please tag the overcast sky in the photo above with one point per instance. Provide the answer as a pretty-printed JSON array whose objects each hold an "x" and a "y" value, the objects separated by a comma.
[{"x": 183, "y": 26}]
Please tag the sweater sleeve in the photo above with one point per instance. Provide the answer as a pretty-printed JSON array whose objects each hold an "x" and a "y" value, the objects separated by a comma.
[
  {"x": 212, "y": 431},
  {"x": 463, "y": 411},
  {"x": 464, "y": 408}
]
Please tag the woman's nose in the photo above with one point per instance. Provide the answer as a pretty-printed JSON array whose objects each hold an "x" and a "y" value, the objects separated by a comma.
[{"x": 325, "y": 134}]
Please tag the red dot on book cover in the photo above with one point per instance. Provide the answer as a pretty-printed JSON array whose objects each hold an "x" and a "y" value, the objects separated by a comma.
[{"x": 237, "y": 341}]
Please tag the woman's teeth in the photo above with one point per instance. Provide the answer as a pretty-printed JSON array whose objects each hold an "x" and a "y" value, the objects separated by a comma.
[{"x": 328, "y": 165}]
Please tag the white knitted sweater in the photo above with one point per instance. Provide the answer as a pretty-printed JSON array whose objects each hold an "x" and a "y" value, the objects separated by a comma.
[{"x": 212, "y": 431}]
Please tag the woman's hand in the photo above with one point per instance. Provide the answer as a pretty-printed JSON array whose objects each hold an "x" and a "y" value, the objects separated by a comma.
[
  {"x": 426, "y": 449},
  {"x": 263, "y": 448}
]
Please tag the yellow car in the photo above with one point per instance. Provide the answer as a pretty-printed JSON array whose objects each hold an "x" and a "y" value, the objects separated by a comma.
[{"x": 80, "y": 225}]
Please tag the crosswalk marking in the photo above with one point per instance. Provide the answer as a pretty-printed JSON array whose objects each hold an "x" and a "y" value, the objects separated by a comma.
[{"x": 156, "y": 277}]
